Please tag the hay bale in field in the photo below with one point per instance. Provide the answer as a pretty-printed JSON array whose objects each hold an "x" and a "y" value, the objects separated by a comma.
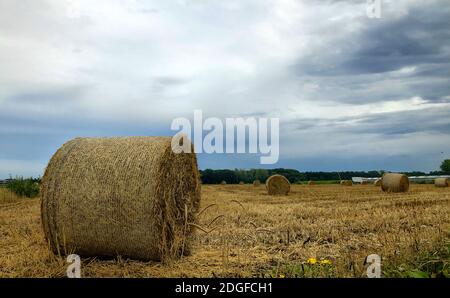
[
  {"x": 311, "y": 182},
  {"x": 441, "y": 182},
  {"x": 278, "y": 185},
  {"x": 393, "y": 182},
  {"x": 129, "y": 196},
  {"x": 377, "y": 182},
  {"x": 256, "y": 183},
  {"x": 346, "y": 182},
  {"x": 223, "y": 182},
  {"x": 241, "y": 183}
]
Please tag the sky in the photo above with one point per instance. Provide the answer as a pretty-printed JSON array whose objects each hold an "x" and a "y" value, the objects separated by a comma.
[{"x": 351, "y": 92}]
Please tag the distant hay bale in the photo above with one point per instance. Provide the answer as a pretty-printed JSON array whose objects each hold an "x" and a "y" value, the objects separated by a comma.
[
  {"x": 241, "y": 183},
  {"x": 393, "y": 182},
  {"x": 129, "y": 196},
  {"x": 441, "y": 182},
  {"x": 346, "y": 182},
  {"x": 278, "y": 185},
  {"x": 223, "y": 182},
  {"x": 377, "y": 182},
  {"x": 256, "y": 183},
  {"x": 311, "y": 182}
]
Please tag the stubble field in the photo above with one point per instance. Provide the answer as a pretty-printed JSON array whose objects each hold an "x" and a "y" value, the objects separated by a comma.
[{"x": 316, "y": 231}]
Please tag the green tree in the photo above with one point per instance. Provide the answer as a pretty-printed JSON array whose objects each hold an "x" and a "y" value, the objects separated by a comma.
[
  {"x": 24, "y": 187},
  {"x": 445, "y": 166}
]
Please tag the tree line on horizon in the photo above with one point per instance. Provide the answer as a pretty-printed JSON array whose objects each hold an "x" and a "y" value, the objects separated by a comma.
[
  {"x": 210, "y": 176},
  {"x": 28, "y": 186}
]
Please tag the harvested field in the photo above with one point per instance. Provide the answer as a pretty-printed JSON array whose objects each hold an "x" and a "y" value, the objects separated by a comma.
[{"x": 254, "y": 234}]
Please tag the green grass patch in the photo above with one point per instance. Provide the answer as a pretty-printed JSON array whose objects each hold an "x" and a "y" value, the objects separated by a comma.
[
  {"x": 434, "y": 264},
  {"x": 24, "y": 187},
  {"x": 311, "y": 268}
]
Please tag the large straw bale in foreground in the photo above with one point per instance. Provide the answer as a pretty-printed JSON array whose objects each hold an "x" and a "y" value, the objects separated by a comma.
[
  {"x": 441, "y": 182},
  {"x": 346, "y": 182},
  {"x": 278, "y": 185},
  {"x": 127, "y": 196},
  {"x": 393, "y": 182}
]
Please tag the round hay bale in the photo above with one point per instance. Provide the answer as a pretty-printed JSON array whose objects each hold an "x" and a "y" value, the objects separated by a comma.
[
  {"x": 129, "y": 196},
  {"x": 223, "y": 182},
  {"x": 346, "y": 182},
  {"x": 392, "y": 182},
  {"x": 441, "y": 182},
  {"x": 377, "y": 182},
  {"x": 278, "y": 185},
  {"x": 241, "y": 183},
  {"x": 256, "y": 183},
  {"x": 311, "y": 182}
]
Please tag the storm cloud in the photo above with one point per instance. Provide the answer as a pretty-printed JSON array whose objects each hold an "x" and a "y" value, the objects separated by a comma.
[{"x": 351, "y": 92}]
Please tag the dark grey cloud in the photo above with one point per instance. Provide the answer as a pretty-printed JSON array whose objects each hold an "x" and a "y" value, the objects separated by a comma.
[
  {"x": 130, "y": 67},
  {"x": 434, "y": 120},
  {"x": 53, "y": 96},
  {"x": 396, "y": 57},
  {"x": 420, "y": 37}
]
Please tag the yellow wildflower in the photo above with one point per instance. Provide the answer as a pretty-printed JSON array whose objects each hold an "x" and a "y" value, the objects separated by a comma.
[
  {"x": 325, "y": 262},
  {"x": 282, "y": 276},
  {"x": 312, "y": 261}
]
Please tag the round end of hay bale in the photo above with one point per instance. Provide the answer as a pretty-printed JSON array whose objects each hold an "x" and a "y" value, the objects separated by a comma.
[
  {"x": 346, "y": 182},
  {"x": 127, "y": 196},
  {"x": 441, "y": 182},
  {"x": 278, "y": 185},
  {"x": 393, "y": 182}
]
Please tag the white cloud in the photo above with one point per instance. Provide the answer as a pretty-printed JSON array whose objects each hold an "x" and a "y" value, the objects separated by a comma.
[{"x": 147, "y": 62}]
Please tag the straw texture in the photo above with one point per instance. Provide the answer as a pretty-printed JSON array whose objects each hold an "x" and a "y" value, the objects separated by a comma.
[
  {"x": 346, "y": 182},
  {"x": 441, "y": 182},
  {"x": 278, "y": 185},
  {"x": 128, "y": 196},
  {"x": 393, "y": 182}
]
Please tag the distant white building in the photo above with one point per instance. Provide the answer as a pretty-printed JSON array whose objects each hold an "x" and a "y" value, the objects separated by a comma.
[
  {"x": 411, "y": 178},
  {"x": 5, "y": 181}
]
